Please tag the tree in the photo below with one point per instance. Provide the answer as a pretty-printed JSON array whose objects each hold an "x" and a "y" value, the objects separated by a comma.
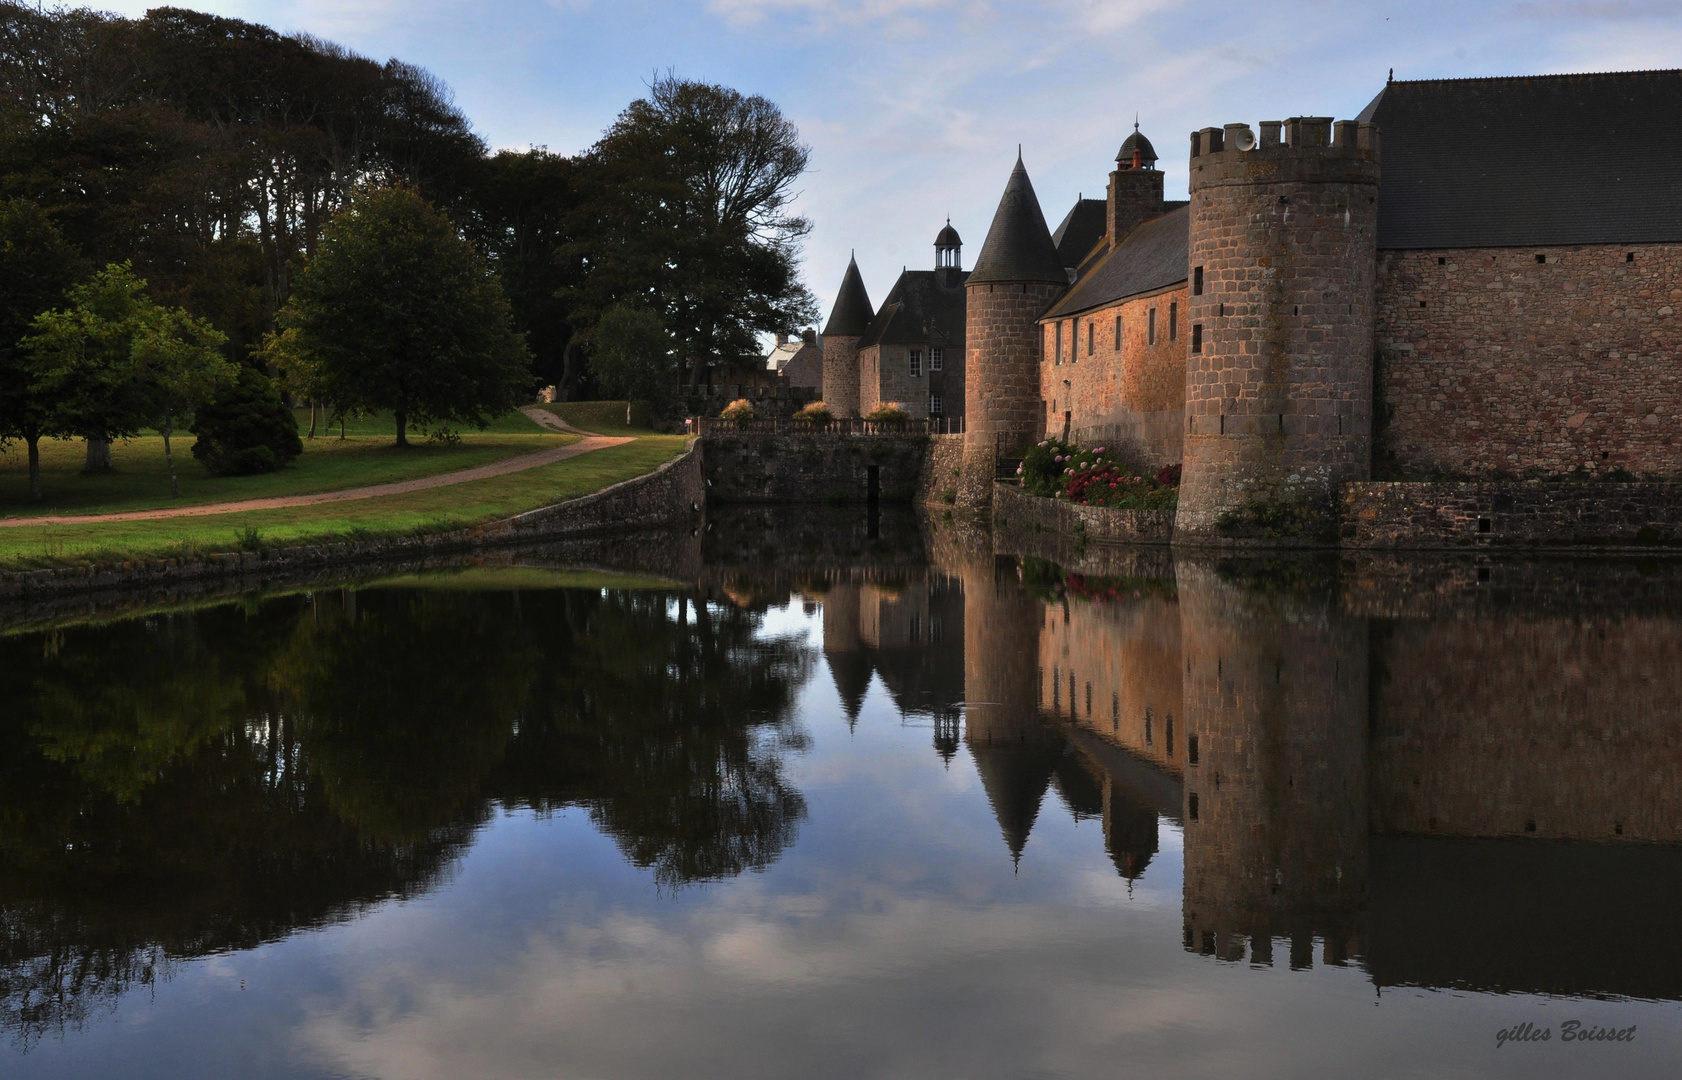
[
  {"x": 36, "y": 266},
  {"x": 687, "y": 208},
  {"x": 633, "y": 356},
  {"x": 402, "y": 313},
  {"x": 115, "y": 362},
  {"x": 246, "y": 428}
]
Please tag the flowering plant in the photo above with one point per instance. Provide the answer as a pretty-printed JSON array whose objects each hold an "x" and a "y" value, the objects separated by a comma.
[{"x": 1096, "y": 477}]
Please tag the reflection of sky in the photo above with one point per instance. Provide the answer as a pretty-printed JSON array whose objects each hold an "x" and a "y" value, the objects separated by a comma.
[{"x": 894, "y": 939}]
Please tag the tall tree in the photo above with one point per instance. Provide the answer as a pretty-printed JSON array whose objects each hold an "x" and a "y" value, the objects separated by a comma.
[
  {"x": 688, "y": 209},
  {"x": 632, "y": 357},
  {"x": 36, "y": 266},
  {"x": 401, "y": 313}
]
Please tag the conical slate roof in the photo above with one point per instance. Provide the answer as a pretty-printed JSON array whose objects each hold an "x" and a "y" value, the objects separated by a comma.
[
  {"x": 1018, "y": 245},
  {"x": 852, "y": 312}
]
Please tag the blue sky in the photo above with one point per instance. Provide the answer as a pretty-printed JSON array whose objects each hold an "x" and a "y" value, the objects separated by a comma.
[{"x": 914, "y": 108}]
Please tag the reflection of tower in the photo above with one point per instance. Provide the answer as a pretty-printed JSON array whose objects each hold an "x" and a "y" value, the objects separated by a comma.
[
  {"x": 1013, "y": 751},
  {"x": 1275, "y": 777},
  {"x": 848, "y": 664}
]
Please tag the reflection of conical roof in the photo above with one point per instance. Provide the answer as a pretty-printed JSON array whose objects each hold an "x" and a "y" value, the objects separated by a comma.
[
  {"x": 1015, "y": 776},
  {"x": 1130, "y": 836},
  {"x": 1082, "y": 792},
  {"x": 851, "y": 672},
  {"x": 852, "y": 311},
  {"x": 1018, "y": 245}
]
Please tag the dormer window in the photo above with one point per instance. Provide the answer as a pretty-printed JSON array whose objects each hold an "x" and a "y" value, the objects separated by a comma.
[{"x": 937, "y": 359}]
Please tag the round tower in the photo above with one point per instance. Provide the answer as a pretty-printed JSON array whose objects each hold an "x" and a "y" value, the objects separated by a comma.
[
  {"x": 848, "y": 321},
  {"x": 1016, "y": 277},
  {"x": 1282, "y": 261}
]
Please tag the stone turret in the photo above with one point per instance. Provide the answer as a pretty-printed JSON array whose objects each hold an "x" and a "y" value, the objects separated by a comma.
[
  {"x": 848, "y": 321},
  {"x": 1134, "y": 194},
  {"x": 1016, "y": 277},
  {"x": 1279, "y": 367}
]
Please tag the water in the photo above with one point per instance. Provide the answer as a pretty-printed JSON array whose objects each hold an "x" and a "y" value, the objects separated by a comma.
[{"x": 898, "y": 808}]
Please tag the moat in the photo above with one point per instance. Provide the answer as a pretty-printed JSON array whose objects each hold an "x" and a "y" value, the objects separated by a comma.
[{"x": 843, "y": 794}]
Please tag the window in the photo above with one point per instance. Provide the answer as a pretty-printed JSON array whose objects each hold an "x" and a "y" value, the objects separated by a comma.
[
  {"x": 1197, "y": 281},
  {"x": 934, "y": 405},
  {"x": 1118, "y": 333},
  {"x": 1089, "y": 347},
  {"x": 1150, "y": 328},
  {"x": 1191, "y": 806},
  {"x": 1058, "y": 353},
  {"x": 1173, "y": 321},
  {"x": 916, "y": 363},
  {"x": 1541, "y": 258},
  {"x": 1196, "y": 337},
  {"x": 1191, "y": 749},
  {"x": 1147, "y": 725},
  {"x": 1088, "y": 699},
  {"x": 1074, "y": 340},
  {"x": 937, "y": 359}
]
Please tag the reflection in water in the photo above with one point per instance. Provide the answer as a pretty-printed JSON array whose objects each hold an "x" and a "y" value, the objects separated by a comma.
[
  {"x": 187, "y": 784},
  {"x": 1483, "y": 799}
]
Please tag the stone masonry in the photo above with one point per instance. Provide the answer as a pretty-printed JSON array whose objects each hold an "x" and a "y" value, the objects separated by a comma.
[
  {"x": 1002, "y": 378},
  {"x": 1543, "y": 359},
  {"x": 1279, "y": 371}
]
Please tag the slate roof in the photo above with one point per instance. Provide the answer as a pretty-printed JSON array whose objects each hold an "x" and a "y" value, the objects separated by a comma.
[
  {"x": 948, "y": 237},
  {"x": 1152, "y": 257},
  {"x": 1083, "y": 226},
  {"x": 852, "y": 311},
  {"x": 1018, "y": 245},
  {"x": 1533, "y": 161},
  {"x": 1147, "y": 152},
  {"x": 922, "y": 304}
]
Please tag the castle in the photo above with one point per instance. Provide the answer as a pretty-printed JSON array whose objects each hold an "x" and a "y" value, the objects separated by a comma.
[{"x": 1475, "y": 278}]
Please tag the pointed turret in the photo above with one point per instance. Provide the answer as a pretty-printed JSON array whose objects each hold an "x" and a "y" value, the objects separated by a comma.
[
  {"x": 1017, "y": 276},
  {"x": 851, "y": 315},
  {"x": 1018, "y": 245},
  {"x": 848, "y": 321}
]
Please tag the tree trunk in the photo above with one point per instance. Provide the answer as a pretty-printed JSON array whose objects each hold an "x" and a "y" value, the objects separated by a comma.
[
  {"x": 402, "y": 428},
  {"x": 34, "y": 442},
  {"x": 169, "y": 456},
  {"x": 313, "y": 406},
  {"x": 569, "y": 369},
  {"x": 99, "y": 456}
]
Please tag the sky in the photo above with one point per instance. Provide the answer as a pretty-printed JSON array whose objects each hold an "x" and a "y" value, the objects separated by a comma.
[{"x": 914, "y": 108}]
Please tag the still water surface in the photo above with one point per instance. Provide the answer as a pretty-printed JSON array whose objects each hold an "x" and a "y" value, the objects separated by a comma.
[{"x": 949, "y": 816}]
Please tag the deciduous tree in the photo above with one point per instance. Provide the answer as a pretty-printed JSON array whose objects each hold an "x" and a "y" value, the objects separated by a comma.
[
  {"x": 402, "y": 313},
  {"x": 36, "y": 266}
]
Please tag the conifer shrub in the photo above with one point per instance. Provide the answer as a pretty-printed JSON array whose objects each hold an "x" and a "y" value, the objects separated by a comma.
[{"x": 246, "y": 428}]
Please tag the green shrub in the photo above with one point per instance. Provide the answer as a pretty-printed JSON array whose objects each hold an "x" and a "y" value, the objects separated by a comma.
[{"x": 246, "y": 428}]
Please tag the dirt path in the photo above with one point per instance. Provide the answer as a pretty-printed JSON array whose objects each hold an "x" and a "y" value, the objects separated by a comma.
[
  {"x": 374, "y": 491},
  {"x": 544, "y": 418}
]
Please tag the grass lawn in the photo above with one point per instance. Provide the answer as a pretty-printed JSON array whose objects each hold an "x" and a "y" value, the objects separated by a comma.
[
  {"x": 431, "y": 510},
  {"x": 140, "y": 479},
  {"x": 602, "y": 417}
]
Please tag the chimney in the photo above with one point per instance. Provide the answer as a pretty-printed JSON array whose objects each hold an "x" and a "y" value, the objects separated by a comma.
[
  {"x": 809, "y": 335},
  {"x": 1134, "y": 196}
]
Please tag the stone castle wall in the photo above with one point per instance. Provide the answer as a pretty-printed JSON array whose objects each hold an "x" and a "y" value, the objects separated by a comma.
[
  {"x": 1378, "y": 514},
  {"x": 813, "y": 468},
  {"x": 1001, "y": 377},
  {"x": 1493, "y": 360},
  {"x": 1130, "y": 397},
  {"x": 1016, "y": 511},
  {"x": 1279, "y": 364},
  {"x": 841, "y": 374}
]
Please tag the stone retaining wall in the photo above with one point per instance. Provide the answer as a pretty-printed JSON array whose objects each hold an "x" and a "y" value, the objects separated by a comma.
[
  {"x": 1016, "y": 510},
  {"x": 756, "y": 467},
  {"x": 1533, "y": 514},
  {"x": 943, "y": 470},
  {"x": 671, "y": 495}
]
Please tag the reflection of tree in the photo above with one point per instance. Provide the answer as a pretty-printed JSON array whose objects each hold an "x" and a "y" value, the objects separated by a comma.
[
  {"x": 669, "y": 731},
  {"x": 192, "y": 783}
]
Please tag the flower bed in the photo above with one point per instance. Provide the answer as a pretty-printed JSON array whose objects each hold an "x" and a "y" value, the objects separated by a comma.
[{"x": 1096, "y": 477}]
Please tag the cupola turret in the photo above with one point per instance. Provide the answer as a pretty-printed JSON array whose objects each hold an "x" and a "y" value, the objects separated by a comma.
[{"x": 948, "y": 248}]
